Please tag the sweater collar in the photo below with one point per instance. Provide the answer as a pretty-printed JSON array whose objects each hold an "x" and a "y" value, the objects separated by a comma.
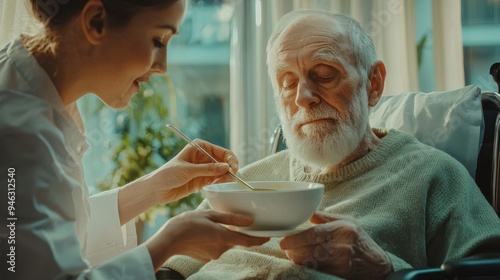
[{"x": 389, "y": 144}]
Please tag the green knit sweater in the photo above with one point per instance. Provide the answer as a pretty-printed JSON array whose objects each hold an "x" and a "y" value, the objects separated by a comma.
[{"x": 418, "y": 203}]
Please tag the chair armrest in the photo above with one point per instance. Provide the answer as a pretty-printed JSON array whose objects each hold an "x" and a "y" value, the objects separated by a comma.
[
  {"x": 417, "y": 274},
  {"x": 166, "y": 273},
  {"x": 480, "y": 265}
]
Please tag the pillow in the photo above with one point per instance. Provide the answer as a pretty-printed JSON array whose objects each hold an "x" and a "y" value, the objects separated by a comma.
[{"x": 451, "y": 121}]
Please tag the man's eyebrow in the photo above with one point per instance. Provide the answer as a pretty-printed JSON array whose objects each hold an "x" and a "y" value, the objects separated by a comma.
[
  {"x": 280, "y": 66},
  {"x": 325, "y": 54},
  {"x": 168, "y": 26},
  {"x": 280, "y": 63}
]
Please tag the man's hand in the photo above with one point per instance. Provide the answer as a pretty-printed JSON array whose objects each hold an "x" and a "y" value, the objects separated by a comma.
[{"x": 338, "y": 246}]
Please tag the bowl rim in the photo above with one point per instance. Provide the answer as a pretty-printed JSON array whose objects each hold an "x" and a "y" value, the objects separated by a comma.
[{"x": 317, "y": 186}]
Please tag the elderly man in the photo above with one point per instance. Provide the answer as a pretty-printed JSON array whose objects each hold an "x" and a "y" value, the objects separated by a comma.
[{"x": 390, "y": 201}]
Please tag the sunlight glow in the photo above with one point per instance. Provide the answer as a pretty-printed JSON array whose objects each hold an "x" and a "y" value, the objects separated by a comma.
[{"x": 258, "y": 13}]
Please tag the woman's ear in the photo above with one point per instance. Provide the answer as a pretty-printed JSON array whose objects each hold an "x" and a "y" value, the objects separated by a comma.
[
  {"x": 93, "y": 16},
  {"x": 376, "y": 79}
]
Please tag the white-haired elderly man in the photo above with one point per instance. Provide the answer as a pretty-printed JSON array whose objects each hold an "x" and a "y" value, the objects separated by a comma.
[{"x": 390, "y": 202}]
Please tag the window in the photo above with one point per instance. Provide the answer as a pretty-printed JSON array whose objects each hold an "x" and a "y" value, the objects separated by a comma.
[
  {"x": 481, "y": 42},
  {"x": 198, "y": 62},
  {"x": 481, "y": 37}
]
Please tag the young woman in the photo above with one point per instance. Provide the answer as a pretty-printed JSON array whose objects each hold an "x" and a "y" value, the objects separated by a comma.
[{"x": 105, "y": 47}]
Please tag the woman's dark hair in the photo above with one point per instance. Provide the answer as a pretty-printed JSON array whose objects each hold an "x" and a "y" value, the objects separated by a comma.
[{"x": 56, "y": 13}]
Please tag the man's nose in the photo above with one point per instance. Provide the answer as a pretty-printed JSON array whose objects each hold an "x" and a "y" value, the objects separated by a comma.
[{"x": 306, "y": 96}]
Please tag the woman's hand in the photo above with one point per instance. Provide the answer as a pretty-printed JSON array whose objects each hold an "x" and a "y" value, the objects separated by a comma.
[
  {"x": 190, "y": 170},
  {"x": 338, "y": 246},
  {"x": 186, "y": 173},
  {"x": 200, "y": 235}
]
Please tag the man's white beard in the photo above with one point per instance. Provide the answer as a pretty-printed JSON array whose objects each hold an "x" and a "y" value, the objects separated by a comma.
[{"x": 323, "y": 145}]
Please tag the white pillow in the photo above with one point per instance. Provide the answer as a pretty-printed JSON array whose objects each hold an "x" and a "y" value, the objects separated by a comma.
[{"x": 451, "y": 121}]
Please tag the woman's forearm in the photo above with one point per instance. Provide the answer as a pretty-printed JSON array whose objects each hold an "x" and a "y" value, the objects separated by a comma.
[{"x": 135, "y": 198}]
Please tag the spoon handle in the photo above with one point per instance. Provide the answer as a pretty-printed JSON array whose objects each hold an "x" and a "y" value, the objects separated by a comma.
[{"x": 185, "y": 137}]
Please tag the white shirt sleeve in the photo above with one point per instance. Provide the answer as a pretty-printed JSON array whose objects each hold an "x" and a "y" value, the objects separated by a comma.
[
  {"x": 106, "y": 238},
  {"x": 134, "y": 264}
]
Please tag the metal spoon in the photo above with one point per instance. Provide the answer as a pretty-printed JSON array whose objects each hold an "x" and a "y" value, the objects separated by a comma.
[{"x": 184, "y": 136}]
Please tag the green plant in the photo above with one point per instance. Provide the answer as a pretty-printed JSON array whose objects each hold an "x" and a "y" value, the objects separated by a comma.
[
  {"x": 145, "y": 143},
  {"x": 420, "y": 48}
]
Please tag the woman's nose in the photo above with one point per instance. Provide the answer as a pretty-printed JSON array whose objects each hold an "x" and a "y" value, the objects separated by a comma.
[{"x": 160, "y": 62}]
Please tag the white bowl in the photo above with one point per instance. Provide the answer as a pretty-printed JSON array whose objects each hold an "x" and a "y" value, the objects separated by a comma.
[{"x": 285, "y": 207}]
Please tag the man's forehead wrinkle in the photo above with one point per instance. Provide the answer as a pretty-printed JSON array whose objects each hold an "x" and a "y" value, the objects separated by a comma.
[
  {"x": 295, "y": 37},
  {"x": 312, "y": 42},
  {"x": 319, "y": 38},
  {"x": 319, "y": 50},
  {"x": 331, "y": 51}
]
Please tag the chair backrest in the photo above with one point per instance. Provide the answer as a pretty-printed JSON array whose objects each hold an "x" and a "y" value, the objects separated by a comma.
[
  {"x": 488, "y": 163},
  {"x": 487, "y": 155}
]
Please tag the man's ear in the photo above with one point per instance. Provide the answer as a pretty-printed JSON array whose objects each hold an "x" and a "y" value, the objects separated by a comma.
[
  {"x": 93, "y": 17},
  {"x": 376, "y": 79}
]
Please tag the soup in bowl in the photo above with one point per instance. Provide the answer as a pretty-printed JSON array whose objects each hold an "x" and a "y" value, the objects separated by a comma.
[{"x": 275, "y": 205}]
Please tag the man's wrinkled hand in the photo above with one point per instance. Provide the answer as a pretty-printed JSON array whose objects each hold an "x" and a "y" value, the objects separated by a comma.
[{"x": 337, "y": 245}]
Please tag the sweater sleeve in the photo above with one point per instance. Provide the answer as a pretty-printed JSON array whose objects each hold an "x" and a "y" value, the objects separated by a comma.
[
  {"x": 459, "y": 219},
  {"x": 398, "y": 263}
]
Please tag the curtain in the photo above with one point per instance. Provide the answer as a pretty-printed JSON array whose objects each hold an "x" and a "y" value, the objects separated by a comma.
[
  {"x": 448, "y": 51},
  {"x": 252, "y": 117},
  {"x": 391, "y": 24},
  {"x": 14, "y": 20}
]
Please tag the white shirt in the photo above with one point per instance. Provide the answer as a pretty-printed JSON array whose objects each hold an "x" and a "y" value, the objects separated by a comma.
[{"x": 59, "y": 231}]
